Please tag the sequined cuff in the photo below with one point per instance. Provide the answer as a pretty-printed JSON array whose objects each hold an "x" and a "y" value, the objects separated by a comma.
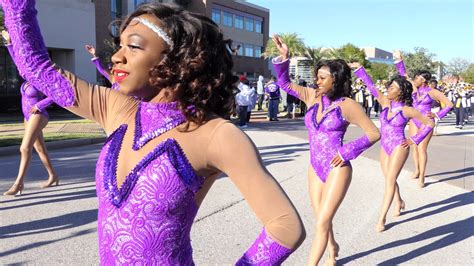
[
  {"x": 264, "y": 251},
  {"x": 354, "y": 148},
  {"x": 420, "y": 136},
  {"x": 362, "y": 74},
  {"x": 400, "y": 66},
  {"x": 442, "y": 113},
  {"x": 30, "y": 54},
  {"x": 41, "y": 105},
  {"x": 282, "y": 69}
]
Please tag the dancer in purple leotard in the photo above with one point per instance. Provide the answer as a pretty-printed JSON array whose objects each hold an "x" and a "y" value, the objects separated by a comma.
[
  {"x": 329, "y": 114},
  {"x": 164, "y": 152},
  {"x": 33, "y": 105},
  {"x": 396, "y": 111},
  {"x": 96, "y": 61},
  {"x": 423, "y": 97}
]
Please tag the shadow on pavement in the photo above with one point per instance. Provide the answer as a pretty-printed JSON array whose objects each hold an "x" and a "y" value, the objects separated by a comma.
[
  {"x": 465, "y": 172},
  {"x": 63, "y": 197},
  {"x": 453, "y": 232}
]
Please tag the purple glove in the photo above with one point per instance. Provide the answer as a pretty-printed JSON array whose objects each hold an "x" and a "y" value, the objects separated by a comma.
[
  {"x": 30, "y": 54},
  {"x": 351, "y": 150},
  {"x": 264, "y": 251},
  {"x": 442, "y": 113},
  {"x": 283, "y": 75},
  {"x": 362, "y": 74},
  {"x": 41, "y": 105},
  {"x": 420, "y": 136},
  {"x": 99, "y": 67},
  {"x": 400, "y": 65}
]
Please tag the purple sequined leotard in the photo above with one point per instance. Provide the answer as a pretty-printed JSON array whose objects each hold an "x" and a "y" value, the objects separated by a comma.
[
  {"x": 325, "y": 136},
  {"x": 393, "y": 128},
  {"x": 147, "y": 220},
  {"x": 422, "y": 101},
  {"x": 96, "y": 62}
]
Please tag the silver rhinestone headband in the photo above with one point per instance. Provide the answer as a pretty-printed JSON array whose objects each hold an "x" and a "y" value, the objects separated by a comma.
[{"x": 156, "y": 29}]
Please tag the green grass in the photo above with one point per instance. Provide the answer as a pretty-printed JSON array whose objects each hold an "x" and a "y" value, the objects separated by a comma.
[
  {"x": 9, "y": 140},
  {"x": 78, "y": 121}
]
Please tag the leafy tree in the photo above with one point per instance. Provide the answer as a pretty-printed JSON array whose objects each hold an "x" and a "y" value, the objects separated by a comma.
[
  {"x": 295, "y": 45},
  {"x": 380, "y": 71},
  {"x": 468, "y": 74},
  {"x": 316, "y": 54},
  {"x": 457, "y": 66},
  {"x": 349, "y": 53},
  {"x": 421, "y": 59}
]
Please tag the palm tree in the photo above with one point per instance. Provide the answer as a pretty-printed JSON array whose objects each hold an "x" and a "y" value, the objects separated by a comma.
[
  {"x": 316, "y": 54},
  {"x": 295, "y": 44}
]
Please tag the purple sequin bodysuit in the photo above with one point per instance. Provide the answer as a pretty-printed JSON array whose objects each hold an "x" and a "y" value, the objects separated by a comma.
[
  {"x": 325, "y": 136},
  {"x": 96, "y": 62},
  {"x": 31, "y": 97},
  {"x": 393, "y": 128},
  {"x": 148, "y": 220},
  {"x": 422, "y": 101}
]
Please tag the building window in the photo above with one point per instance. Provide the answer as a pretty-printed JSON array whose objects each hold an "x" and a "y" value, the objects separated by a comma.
[
  {"x": 258, "y": 51},
  {"x": 249, "y": 24},
  {"x": 239, "y": 22},
  {"x": 249, "y": 50},
  {"x": 240, "y": 50},
  {"x": 116, "y": 8},
  {"x": 227, "y": 19},
  {"x": 216, "y": 16},
  {"x": 258, "y": 26},
  {"x": 139, "y": 2}
]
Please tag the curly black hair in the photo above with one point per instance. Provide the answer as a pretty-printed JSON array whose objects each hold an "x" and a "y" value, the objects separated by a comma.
[
  {"x": 197, "y": 67},
  {"x": 406, "y": 89},
  {"x": 341, "y": 74}
]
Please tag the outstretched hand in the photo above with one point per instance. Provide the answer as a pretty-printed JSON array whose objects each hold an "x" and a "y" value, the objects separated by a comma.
[
  {"x": 354, "y": 65},
  {"x": 90, "y": 49},
  {"x": 281, "y": 46},
  {"x": 397, "y": 55},
  {"x": 6, "y": 36}
]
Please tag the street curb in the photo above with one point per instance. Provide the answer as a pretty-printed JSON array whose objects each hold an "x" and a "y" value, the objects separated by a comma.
[{"x": 54, "y": 145}]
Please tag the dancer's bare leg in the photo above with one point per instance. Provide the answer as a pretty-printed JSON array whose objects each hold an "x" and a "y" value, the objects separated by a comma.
[
  {"x": 40, "y": 147},
  {"x": 396, "y": 161},
  {"x": 423, "y": 158},
  {"x": 315, "y": 192},
  {"x": 333, "y": 193},
  {"x": 412, "y": 132},
  {"x": 33, "y": 128}
]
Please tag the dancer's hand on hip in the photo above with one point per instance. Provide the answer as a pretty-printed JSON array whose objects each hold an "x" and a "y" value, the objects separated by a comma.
[
  {"x": 430, "y": 115},
  {"x": 406, "y": 143},
  {"x": 34, "y": 110},
  {"x": 281, "y": 46},
  {"x": 337, "y": 161}
]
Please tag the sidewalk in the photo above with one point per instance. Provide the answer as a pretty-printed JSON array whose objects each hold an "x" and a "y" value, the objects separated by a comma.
[{"x": 57, "y": 226}]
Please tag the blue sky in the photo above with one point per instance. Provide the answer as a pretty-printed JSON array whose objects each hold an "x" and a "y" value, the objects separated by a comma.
[{"x": 445, "y": 28}]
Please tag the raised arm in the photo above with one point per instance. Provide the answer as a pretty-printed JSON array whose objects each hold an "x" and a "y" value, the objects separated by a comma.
[
  {"x": 440, "y": 97},
  {"x": 283, "y": 230},
  {"x": 361, "y": 73},
  {"x": 428, "y": 124},
  {"x": 354, "y": 114},
  {"x": 281, "y": 65},
  {"x": 399, "y": 64},
  {"x": 33, "y": 62},
  {"x": 95, "y": 60},
  {"x": 43, "y": 104}
]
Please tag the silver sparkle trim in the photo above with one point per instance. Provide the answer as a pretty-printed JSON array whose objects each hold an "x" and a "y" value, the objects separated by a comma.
[{"x": 156, "y": 29}]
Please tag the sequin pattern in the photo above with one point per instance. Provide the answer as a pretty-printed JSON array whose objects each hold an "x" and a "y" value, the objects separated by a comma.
[
  {"x": 148, "y": 220},
  {"x": 264, "y": 251},
  {"x": 29, "y": 97},
  {"x": 422, "y": 102},
  {"x": 393, "y": 129},
  {"x": 325, "y": 137}
]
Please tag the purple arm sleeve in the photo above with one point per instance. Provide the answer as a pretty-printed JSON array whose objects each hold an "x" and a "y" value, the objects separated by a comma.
[
  {"x": 442, "y": 113},
  {"x": 41, "y": 105},
  {"x": 99, "y": 67},
  {"x": 264, "y": 251},
  {"x": 10, "y": 50},
  {"x": 351, "y": 150},
  {"x": 400, "y": 66},
  {"x": 30, "y": 53},
  {"x": 362, "y": 74},
  {"x": 421, "y": 135},
  {"x": 283, "y": 76}
]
